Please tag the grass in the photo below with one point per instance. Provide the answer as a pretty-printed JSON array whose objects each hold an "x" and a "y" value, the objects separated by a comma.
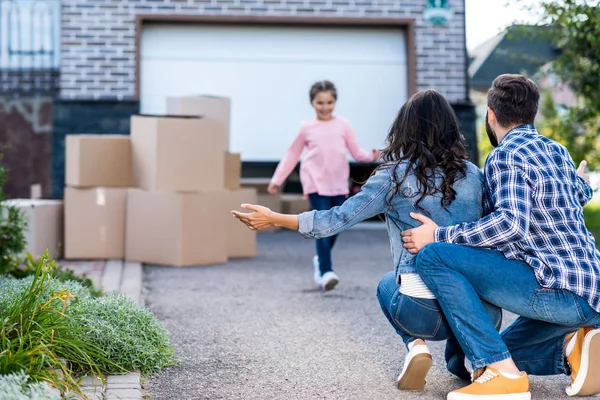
[{"x": 591, "y": 212}]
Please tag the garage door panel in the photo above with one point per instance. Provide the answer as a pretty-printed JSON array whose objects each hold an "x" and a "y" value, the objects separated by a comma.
[
  {"x": 270, "y": 99},
  {"x": 247, "y": 43}
]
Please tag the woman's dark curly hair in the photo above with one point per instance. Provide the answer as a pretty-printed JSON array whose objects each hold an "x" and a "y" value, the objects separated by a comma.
[{"x": 426, "y": 136}]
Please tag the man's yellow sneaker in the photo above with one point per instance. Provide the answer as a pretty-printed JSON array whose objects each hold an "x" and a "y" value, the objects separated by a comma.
[
  {"x": 492, "y": 385},
  {"x": 584, "y": 361}
]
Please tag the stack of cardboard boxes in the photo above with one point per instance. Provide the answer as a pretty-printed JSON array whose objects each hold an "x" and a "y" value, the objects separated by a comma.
[
  {"x": 97, "y": 175},
  {"x": 170, "y": 204}
]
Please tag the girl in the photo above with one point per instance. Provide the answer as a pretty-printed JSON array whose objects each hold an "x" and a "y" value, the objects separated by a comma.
[
  {"x": 425, "y": 169},
  {"x": 324, "y": 170}
]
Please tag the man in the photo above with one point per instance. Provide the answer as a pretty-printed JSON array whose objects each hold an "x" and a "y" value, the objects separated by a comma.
[{"x": 531, "y": 255}]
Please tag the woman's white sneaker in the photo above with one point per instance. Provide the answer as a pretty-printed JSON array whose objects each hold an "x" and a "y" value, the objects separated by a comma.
[{"x": 416, "y": 366}]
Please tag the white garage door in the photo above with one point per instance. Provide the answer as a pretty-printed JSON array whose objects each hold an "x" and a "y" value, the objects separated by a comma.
[{"x": 267, "y": 72}]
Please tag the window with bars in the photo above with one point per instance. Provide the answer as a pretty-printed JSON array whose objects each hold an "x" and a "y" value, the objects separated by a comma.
[{"x": 29, "y": 46}]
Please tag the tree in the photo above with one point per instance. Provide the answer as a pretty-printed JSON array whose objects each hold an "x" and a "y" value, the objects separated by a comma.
[{"x": 574, "y": 26}]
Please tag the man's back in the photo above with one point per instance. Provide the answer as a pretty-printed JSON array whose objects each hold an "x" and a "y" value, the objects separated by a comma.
[{"x": 533, "y": 179}]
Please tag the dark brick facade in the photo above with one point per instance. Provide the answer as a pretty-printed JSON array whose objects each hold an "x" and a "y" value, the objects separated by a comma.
[{"x": 25, "y": 134}]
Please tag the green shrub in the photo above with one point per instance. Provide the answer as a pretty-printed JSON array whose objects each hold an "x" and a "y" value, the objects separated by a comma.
[
  {"x": 57, "y": 330},
  {"x": 130, "y": 335},
  {"x": 38, "y": 335},
  {"x": 591, "y": 212},
  {"x": 18, "y": 386}
]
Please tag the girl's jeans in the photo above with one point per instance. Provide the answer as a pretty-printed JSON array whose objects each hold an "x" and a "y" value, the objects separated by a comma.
[
  {"x": 415, "y": 318},
  {"x": 325, "y": 245}
]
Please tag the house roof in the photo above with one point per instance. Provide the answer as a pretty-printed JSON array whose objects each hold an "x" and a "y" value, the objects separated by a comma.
[{"x": 520, "y": 49}]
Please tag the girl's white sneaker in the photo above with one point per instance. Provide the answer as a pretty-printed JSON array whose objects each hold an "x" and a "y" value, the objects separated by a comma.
[{"x": 329, "y": 280}]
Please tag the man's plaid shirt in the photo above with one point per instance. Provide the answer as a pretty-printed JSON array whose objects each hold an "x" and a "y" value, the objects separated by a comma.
[{"x": 534, "y": 213}]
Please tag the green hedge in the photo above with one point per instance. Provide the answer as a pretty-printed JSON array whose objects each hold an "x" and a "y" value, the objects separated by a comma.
[{"x": 592, "y": 219}]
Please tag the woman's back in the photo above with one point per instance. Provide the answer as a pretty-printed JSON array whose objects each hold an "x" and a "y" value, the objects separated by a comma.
[{"x": 466, "y": 207}]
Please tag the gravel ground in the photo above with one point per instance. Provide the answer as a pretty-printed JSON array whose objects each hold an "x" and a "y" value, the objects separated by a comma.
[{"x": 258, "y": 328}]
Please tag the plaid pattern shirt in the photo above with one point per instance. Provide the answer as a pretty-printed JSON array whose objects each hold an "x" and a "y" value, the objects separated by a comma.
[{"x": 534, "y": 213}]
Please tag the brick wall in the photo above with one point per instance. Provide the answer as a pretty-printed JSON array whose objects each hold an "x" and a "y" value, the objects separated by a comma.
[{"x": 98, "y": 38}]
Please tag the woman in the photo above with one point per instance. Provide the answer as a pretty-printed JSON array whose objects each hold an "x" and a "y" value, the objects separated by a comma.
[{"x": 425, "y": 170}]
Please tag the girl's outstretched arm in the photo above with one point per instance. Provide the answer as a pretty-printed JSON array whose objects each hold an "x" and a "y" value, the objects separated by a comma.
[
  {"x": 355, "y": 150},
  {"x": 289, "y": 161},
  {"x": 370, "y": 201}
]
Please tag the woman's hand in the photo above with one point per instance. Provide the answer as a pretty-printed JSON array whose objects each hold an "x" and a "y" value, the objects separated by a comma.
[
  {"x": 259, "y": 219},
  {"x": 273, "y": 188}
]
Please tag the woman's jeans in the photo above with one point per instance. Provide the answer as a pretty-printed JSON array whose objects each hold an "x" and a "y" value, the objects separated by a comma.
[
  {"x": 325, "y": 245},
  {"x": 414, "y": 318}
]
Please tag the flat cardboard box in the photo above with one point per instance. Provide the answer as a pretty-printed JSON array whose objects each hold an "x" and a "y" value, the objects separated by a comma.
[
  {"x": 259, "y": 184},
  {"x": 272, "y": 201},
  {"x": 44, "y": 225},
  {"x": 214, "y": 107},
  {"x": 233, "y": 170},
  {"x": 95, "y": 223},
  {"x": 98, "y": 161},
  {"x": 294, "y": 204},
  {"x": 241, "y": 241},
  {"x": 185, "y": 154},
  {"x": 177, "y": 229}
]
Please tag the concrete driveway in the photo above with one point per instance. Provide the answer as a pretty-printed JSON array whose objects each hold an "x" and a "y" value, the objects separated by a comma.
[{"x": 258, "y": 329}]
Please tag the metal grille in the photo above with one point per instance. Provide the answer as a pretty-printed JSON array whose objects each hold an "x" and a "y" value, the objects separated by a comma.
[{"x": 29, "y": 47}]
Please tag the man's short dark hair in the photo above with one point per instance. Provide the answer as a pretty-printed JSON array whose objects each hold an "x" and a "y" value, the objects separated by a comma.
[{"x": 514, "y": 99}]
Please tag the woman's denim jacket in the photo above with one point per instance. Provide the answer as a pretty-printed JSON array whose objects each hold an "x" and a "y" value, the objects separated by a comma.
[{"x": 374, "y": 197}]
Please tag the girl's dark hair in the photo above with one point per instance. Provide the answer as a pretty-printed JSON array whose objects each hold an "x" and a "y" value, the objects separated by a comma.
[
  {"x": 425, "y": 135},
  {"x": 322, "y": 86}
]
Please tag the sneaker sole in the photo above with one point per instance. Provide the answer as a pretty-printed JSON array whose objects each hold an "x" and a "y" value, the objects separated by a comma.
[
  {"x": 507, "y": 396},
  {"x": 331, "y": 284},
  {"x": 415, "y": 373},
  {"x": 587, "y": 382}
]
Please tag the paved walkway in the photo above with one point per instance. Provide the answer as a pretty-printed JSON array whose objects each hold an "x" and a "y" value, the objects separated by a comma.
[
  {"x": 257, "y": 328},
  {"x": 112, "y": 276}
]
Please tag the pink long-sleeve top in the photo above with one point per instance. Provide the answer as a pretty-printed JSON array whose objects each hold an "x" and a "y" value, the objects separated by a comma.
[{"x": 324, "y": 169}]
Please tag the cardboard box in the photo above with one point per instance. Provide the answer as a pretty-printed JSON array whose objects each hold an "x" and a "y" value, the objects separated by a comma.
[
  {"x": 98, "y": 160},
  {"x": 259, "y": 184},
  {"x": 233, "y": 170},
  {"x": 294, "y": 204},
  {"x": 272, "y": 201},
  {"x": 241, "y": 241},
  {"x": 177, "y": 229},
  {"x": 44, "y": 225},
  {"x": 178, "y": 153},
  {"x": 95, "y": 223},
  {"x": 213, "y": 107}
]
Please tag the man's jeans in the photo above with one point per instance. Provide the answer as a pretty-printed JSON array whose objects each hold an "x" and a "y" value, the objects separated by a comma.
[
  {"x": 325, "y": 245},
  {"x": 415, "y": 318},
  {"x": 459, "y": 276}
]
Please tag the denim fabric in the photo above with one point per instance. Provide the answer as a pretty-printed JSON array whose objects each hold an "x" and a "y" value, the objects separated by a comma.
[
  {"x": 459, "y": 276},
  {"x": 325, "y": 245},
  {"x": 376, "y": 197},
  {"x": 414, "y": 318}
]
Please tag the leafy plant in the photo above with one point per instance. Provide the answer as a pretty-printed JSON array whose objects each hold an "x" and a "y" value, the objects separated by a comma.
[
  {"x": 39, "y": 337},
  {"x": 591, "y": 212},
  {"x": 57, "y": 330},
  {"x": 130, "y": 335},
  {"x": 18, "y": 386},
  {"x": 13, "y": 224},
  {"x": 29, "y": 267}
]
